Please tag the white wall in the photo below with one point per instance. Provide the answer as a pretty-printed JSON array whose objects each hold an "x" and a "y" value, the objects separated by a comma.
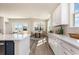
[
  {"x": 8, "y": 27},
  {"x": 1, "y": 24}
]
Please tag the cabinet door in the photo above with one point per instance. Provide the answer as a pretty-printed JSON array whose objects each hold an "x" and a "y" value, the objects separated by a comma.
[
  {"x": 56, "y": 47},
  {"x": 53, "y": 42},
  {"x": 57, "y": 16},
  {"x": 64, "y": 51},
  {"x": 72, "y": 49},
  {"x": 59, "y": 49},
  {"x": 64, "y": 13},
  {"x": 60, "y": 15}
]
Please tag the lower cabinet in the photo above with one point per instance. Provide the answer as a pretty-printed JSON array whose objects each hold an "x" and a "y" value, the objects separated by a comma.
[
  {"x": 63, "y": 51},
  {"x": 61, "y": 47},
  {"x": 72, "y": 49},
  {"x": 54, "y": 45},
  {"x": 57, "y": 48}
]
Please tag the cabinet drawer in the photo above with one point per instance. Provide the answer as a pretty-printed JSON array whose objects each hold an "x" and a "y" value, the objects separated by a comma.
[
  {"x": 73, "y": 50},
  {"x": 64, "y": 51}
]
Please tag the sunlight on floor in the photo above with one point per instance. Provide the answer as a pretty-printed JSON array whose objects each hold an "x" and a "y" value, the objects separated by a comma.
[{"x": 42, "y": 41}]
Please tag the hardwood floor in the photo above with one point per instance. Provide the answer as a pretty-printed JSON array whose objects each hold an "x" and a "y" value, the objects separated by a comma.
[{"x": 40, "y": 47}]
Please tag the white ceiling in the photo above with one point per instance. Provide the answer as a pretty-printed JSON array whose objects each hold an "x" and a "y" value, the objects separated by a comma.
[{"x": 27, "y": 10}]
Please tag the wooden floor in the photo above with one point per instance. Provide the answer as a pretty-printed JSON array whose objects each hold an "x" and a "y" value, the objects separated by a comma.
[{"x": 40, "y": 47}]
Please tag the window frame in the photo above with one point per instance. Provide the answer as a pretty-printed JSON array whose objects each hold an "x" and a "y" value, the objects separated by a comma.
[{"x": 74, "y": 16}]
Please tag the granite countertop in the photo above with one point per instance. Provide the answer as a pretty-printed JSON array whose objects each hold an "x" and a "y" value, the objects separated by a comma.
[
  {"x": 72, "y": 41},
  {"x": 14, "y": 36}
]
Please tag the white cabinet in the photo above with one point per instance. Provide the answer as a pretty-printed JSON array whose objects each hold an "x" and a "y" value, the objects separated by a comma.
[
  {"x": 22, "y": 47},
  {"x": 54, "y": 44},
  {"x": 60, "y": 50},
  {"x": 60, "y": 15},
  {"x": 61, "y": 47},
  {"x": 57, "y": 16},
  {"x": 63, "y": 51},
  {"x": 72, "y": 49},
  {"x": 56, "y": 48}
]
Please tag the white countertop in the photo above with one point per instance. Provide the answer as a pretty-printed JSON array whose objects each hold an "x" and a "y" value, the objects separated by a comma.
[
  {"x": 14, "y": 36},
  {"x": 74, "y": 42}
]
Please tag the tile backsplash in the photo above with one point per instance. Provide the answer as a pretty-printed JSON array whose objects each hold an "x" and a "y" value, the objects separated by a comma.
[
  {"x": 55, "y": 29},
  {"x": 73, "y": 30}
]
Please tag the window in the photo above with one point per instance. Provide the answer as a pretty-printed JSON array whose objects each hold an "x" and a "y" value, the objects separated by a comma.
[
  {"x": 76, "y": 14},
  {"x": 21, "y": 27}
]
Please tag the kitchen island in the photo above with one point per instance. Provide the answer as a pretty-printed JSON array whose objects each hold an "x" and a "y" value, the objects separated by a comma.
[{"x": 21, "y": 42}]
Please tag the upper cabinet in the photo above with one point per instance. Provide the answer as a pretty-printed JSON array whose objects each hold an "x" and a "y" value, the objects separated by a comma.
[{"x": 60, "y": 15}]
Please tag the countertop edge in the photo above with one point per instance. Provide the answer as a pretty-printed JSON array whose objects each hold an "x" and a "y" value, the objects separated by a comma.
[{"x": 74, "y": 42}]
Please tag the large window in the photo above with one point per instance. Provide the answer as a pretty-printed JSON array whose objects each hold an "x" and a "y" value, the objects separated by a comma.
[
  {"x": 21, "y": 27},
  {"x": 76, "y": 14}
]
